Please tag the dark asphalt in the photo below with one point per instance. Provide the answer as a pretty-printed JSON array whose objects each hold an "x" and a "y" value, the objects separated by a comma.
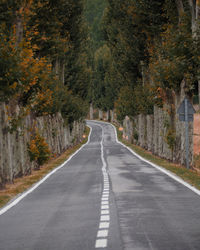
[{"x": 148, "y": 209}]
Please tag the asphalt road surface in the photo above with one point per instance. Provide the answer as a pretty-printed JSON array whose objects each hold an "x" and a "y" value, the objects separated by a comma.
[{"x": 104, "y": 198}]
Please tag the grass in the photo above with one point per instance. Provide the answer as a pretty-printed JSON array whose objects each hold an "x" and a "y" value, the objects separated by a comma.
[
  {"x": 22, "y": 184},
  {"x": 191, "y": 176}
]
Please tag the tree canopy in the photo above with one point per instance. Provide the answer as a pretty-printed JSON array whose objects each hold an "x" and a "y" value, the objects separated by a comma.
[
  {"x": 42, "y": 64},
  {"x": 153, "y": 48},
  {"x": 94, "y": 51}
]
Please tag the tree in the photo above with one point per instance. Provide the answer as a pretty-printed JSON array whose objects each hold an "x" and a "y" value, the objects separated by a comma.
[
  {"x": 34, "y": 53},
  {"x": 155, "y": 37}
]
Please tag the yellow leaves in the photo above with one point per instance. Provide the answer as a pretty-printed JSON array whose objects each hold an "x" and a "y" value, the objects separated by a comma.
[
  {"x": 45, "y": 97},
  {"x": 44, "y": 38},
  {"x": 38, "y": 149},
  {"x": 30, "y": 79},
  {"x": 131, "y": 11},
  {"x": 14, "y": 85},
  {"x": 9, "y": 118}
]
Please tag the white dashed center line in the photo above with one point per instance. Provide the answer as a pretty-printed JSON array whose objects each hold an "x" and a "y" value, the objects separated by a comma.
[
  {"x": 104, "y": 225},
  {"x": 105, "y": 218},
  {"x": 105, "y": 211},
  {"x": 101, "y": 243},
  {"x": 102, "y": 234},
  {"x": 104, "y": 207}
]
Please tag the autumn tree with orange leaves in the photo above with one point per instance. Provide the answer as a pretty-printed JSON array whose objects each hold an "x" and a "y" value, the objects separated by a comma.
[{"x": 36, "y": 38}]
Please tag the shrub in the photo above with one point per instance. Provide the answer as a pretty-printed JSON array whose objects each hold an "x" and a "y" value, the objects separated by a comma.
[{"x": 38, "y": 149}]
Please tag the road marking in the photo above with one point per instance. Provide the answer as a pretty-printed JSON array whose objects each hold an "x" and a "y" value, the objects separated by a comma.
[
  {"x": 23, "y": 195},
  {"x": 106, "y": 188},
  {"x": 104, "y": 211},
  {"x": 104, "y": 225},
  {"x": 105, "y": 217},
  {"x": 170, "y": 174},
  {"x": 101, "y": 243},
  {"x": 102, "y": 233},
  {"x": 104, "y": 207}
]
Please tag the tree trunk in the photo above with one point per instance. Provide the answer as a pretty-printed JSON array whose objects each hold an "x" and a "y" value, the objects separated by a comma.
[
  {"x": 193, "y": 14},
  {"x": 91, "y": 111},
  {"x": 19, "y": 30},
  {"x": 56, "y": 66},
  {"x": 180, "y": 8},
  {"x": 62, "y": 73},
  {"x": 197, "y": 9},
  {"x": 111, "y": 115},
  {"x": 199, "y": 92},
  {"x": 100, "y": 115},
  {"x": 107, "y": 115}
]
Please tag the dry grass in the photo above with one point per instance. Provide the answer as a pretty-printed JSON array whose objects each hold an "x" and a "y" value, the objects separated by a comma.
[{"x": 22, "y": 184}]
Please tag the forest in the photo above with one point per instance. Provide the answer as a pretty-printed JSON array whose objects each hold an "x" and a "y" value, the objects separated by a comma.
[
  {"x": 146, "y": 50},
  {"x": 42, "y": 50},
  {"x": 61, "y": 56},
  {"x": 128, "y": 56},
  {"x": 44, "y": 76}
]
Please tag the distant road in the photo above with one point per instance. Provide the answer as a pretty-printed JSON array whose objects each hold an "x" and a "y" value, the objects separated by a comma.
[{"x": 104, "y": 198}]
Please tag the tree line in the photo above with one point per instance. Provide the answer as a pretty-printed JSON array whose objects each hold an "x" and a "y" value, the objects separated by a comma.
[
  {"x": 147, "y": 50},
  {"x": 43, "y": 67},
  {"x": 123, "y": 55}
]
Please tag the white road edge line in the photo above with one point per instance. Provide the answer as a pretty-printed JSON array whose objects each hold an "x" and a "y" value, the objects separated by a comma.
[
  {"x": 23, "y": 195},
  {"x": 167, "y": 172},
  {"x": 170, "y": 174}
]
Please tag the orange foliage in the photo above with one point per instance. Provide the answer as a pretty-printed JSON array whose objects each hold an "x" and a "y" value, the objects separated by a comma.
[{"x": 38, "y": 149}]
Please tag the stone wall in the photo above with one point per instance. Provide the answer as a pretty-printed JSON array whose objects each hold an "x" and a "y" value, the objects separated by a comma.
[{"x": 14, "y": 158}]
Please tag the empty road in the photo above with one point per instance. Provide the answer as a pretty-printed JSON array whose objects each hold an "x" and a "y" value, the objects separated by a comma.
[{"x": 104, "y": 197}]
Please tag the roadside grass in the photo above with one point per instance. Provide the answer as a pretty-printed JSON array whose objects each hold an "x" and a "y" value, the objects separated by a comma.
[
  {"x": 22, "y": 184},
  {"x": 191, "y": 176}
]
